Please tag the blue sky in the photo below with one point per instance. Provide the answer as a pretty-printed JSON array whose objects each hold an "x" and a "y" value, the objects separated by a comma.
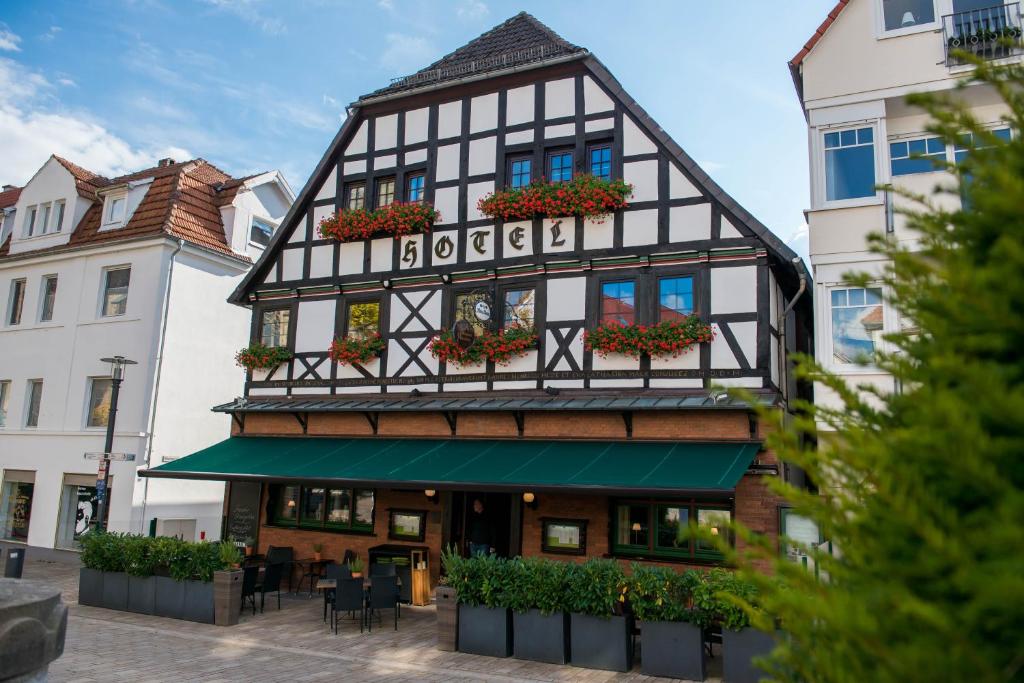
[{"x": 252, "y": 85}]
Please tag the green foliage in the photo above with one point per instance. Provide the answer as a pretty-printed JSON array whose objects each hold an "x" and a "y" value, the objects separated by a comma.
[
  {"x": 485, "y": 580},
  {"x": 356, "y": 565},
  {"x": 230, "y": 555},
  {"x": 597, "y": 587},
  {"x": 662, "y": 594},
  {"x": 540, "y": 584},
  {"x": 921, "y": 490},
  {"x": 145, "y": 556}
]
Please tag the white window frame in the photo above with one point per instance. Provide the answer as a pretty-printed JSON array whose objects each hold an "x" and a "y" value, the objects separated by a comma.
[
  {"x": 10, "y": 302},
  {"x": 47, "y": 213},
  {"x": 31, "y": 214},
  {"x": 42, "y": 298},
  {"x": 59, "y": 209},
  {"x": 108, "y": 210},
  {"x": 104, "y": 277},
  {"x": 5, "y": 399},
  {"x": 819, "y": 183},
  {"x": 28, "y": 402},
  {"x": 939, "y": 8},
  {"x": 881, "y": 346},
  {"x": 266, "y": 221}
]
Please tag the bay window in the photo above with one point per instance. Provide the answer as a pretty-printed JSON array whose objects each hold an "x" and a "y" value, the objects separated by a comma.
[
  {"x": 849, "y": 164},
  {"x": 857, "y": 323}
]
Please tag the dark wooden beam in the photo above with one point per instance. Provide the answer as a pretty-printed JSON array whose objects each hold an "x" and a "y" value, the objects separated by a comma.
[
  {"x": 520, "y": 419},
  {"x": 239, "y": 419},
  {"x": 627, "y": 419},
  {"x": 373, "y": 419},
  {"x": 452, "y": 418},
  {"x": 303, "y": 420}
]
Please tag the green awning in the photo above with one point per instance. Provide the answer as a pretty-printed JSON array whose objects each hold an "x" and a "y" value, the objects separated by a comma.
[{"x": 472, "y": 464}]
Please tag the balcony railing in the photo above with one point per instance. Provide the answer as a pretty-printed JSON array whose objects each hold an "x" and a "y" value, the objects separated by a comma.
[{"x": 990, "y": 33}]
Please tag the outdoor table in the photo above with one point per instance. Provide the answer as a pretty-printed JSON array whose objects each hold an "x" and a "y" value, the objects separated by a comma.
[
  {"x": 312, "y": 563},
  {"x": 327, "y": 584}
]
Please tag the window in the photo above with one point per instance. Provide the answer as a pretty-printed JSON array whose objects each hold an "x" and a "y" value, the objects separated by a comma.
[
  {"x": 962, "y": 148},
  {"x": 601, "y": 161},
  {"x": 274, "y": 327},
  {"x": 385, "y": 192},
  {"x": 115, "y": 291},
  {"x": 564, "y": 536},
  {"x": 45, "y": 226},
  {"x": 666, "y": 529},
  {"x": 48, "y": 297},
  {"x": 261, "y": 231},
  {"x": 618, "y": 302},
  {"x": 5, "y": 397},
  {"x": 30, "y": 221},
  {"x": 849, "y": 164},
  {"x": 470, "y": 306},
  {"x": 916, "y": 156},
  {"x": 675, "y": 298},
  {"x": 58, "y": 222},
  {"x": 15, "y": 302},
  {"x": 99, "y": 402},
  {"x": 356, "y": 196},
  {"x": 16, "y": 505},
  {"x": 320, "y": 507},
  {"x": 897, "y": 14},
  {"x": 560, "y": 166},
  {"x": 519, "y": 171},
  {"x": 415, "y": 188},
  {"x": 407, "y": 525},
  {"x": 33, "y": 401},
  {"x": 363, "y": 319},
  {"x": 115, "y": 209},
  {"x": 78, "y": 509},
  {"x": 519, "y": 308},
  {"x": 856, "y": 323}
]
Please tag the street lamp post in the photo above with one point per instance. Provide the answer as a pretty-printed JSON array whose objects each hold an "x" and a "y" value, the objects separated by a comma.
[{"x": 117, "y": 366}]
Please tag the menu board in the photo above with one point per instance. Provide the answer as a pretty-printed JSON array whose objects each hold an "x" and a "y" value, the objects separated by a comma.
[{"x": 243, "y": 511}]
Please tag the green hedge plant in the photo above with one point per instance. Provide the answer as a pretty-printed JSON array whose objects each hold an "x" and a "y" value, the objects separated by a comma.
[
  {"x": 145, "y": 556},
  {"x": 597, "y": 588},
  {"x": 662, "y": 594},
  {"x": 539, "y": 584},
  {"x": 727, "y": 599}
]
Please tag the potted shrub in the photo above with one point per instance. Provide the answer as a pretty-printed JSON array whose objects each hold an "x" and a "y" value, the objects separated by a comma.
[
  {"x": 249, "y": 544},
  {"x": 485, "y": 621},
  {"x": 356, "y": 567},
  {"x": 446, "y": 599},
  {"x": 318, "y": 548},
  {"x": 202, "y": 560},
  {"x": 741, "y": 643},
  {"x": 671, "y": 627},
  {"x": 138, "y": 559},
  {"x": 227, "y": 586},
  {"x": 600, "y": 629},
  {"x": 90, "y": 576},
  {"x": 115, "y": 581},
  {"x": 168, "y": 556},
  {"x": 540, "y": 617}
]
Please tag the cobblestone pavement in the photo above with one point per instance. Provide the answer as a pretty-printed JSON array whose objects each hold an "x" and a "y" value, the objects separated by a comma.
[{"x": 293, "y": 644}]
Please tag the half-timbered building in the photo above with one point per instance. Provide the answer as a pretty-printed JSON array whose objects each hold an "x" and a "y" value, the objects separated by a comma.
[{"x": 572, "y": 449}]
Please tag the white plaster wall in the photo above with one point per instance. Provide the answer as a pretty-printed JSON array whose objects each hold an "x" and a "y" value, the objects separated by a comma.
[
  {"x": 321, "y": 261},
  {"x": 519, "y": 105},
  {"x": 292, "y": 260},
  {"x": 350, "y": 258},
  {"x": 639, "y": 227},
  {"x": 329, "y": 186},
  {"x": 679, "y": 186},
  {"x": 385, "y": 132},
  {"x": 559, "y": 98},
  {"x": 51, "y": 182},
  {"x": 566, "y": 298},
  {"x": 446, "y": 201},
  {"x": 634, "y": 140},
  {"x": 595, "y": 98},
  {"x": 449, "y": 120},
  {"x": 482, "y": 156},
  {"x": 314, "y": 328},
  {"x": 416, "y": 125},
  {"x": 357, "y": 145},
  {"x": 687, "y": 223},
  {"x": 483, "y": 113},
  {"x": 733, "y": 290},
  {"x": 448, "y": 162},
  {"x": 643, "y": 176},
  {"x": 474, "y": 192}
]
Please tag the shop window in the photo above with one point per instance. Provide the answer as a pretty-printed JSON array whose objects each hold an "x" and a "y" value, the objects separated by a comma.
[
  {"x": 16, "y": 505},
  {"x": 618, "y": 302},
  {"x": 320, "y": 507},
  {"x": 519, "y": 308},
  {"x": 407, "y": 525},
  {"x": 79, "y": 506},
  {"x": 363, "y": 319},
  {"x": 667, "y": 529},
  {"x": 675, "y": 298},
  {"x": 274, "y": 327}
]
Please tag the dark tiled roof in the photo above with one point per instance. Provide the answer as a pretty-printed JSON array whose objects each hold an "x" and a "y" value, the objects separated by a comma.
[{"x": 518, "y": 41}]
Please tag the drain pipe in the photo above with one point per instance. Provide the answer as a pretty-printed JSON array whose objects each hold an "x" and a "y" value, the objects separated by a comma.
[
  {"x": 780, "y": 325},
  {"x": 164, "y": 314}
]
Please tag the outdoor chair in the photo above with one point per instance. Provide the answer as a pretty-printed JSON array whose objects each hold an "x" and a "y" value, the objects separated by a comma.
[
  {"x": 347, "y": 557},
  {"x": 283, "y": 555},
  {"x": 377, "y": 569},
  {"x": 333, "y": 572},
  {"x": 349, "y": 598},
  {"x": 250, "y": 579},
  {"x": 383, "y": 595},
  {"x": 271, "y": 583}
]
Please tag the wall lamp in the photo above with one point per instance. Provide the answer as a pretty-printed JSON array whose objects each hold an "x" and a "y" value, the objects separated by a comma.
[
  {"x": 431, "y": 495},
  {"x": 530, "y": 500}
]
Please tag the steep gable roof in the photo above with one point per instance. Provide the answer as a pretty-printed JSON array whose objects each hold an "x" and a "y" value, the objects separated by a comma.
[
  {"x": 794, "y": 64},
  {"x": 9, "y": 197},
  {"x": 86, "y": 181},
  {"x": 518, "y": 41}
]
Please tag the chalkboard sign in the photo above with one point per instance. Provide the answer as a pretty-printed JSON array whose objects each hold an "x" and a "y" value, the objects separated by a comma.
[{"x": 243, "y": 511}]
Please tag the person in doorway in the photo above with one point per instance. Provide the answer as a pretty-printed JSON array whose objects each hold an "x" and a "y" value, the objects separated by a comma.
[{"x": 481, "y": 533}]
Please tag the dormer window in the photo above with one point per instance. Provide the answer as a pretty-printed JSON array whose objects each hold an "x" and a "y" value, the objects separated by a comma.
[
  {"x": 114, "y": 211},
  {"x": 261, "y": 231}
]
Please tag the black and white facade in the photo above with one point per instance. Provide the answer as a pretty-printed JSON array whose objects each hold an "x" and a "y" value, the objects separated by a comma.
[{"x": 456, "y": 139}]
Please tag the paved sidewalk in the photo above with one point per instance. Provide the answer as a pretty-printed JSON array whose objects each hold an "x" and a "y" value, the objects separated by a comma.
[{"x": 293, "y": 644}]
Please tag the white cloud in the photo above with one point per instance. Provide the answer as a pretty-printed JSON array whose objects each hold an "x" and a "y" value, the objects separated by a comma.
[
  {"x": 386, "y": 5},
  {"x": 67, "y": 82},
  {"x": 471, "y": 10},
  {"x": 50, "y": 34},
  {"x": 405, "y": 54},
  {"x": 35, "y": 126},
  {"x": 711, "y": 166},
  {"x": 249, "y": 11},
  {"x": 799, "y": 241},
  {"x": 8, "y": 39}
]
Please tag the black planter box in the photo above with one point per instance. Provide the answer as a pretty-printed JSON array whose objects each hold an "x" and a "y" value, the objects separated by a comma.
[
  {"x": 142, "y": 594},
  {"x": 485, "y": 631},
  {"x": 90, "y": 587},
  {"x": 115, "y": 590},
  {"x": 738, "y": 649},
  {"x": 170, "y": 597},
  {"x": 673, "y": 649},
  {"x": 541, "y": 638},
  {"x": 597, "y": 643},
  {"x": 198, "y": 604}
]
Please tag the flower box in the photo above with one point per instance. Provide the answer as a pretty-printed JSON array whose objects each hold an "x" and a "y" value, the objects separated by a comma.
[
  {"x": 739, "y": 649},
  {"x": 142, "y": 594},
  {"x": 259, "y": 356},
  {"x": 485, "y": 630},
  {"x": 584, "y": 195},
  {"x": 499, "y": 347},
  {"x": 669, "y": 338},
  {"x": 349, "y": 351},
  {"x": 115, "y": 591},
  {"x": 541, "y": 637},
  {"x": 673, "y": 649},
  {"x": 395, "y": 220},
  {"x": 90, "y": 587},
  {"x": 601, "y": 643},
  {"x": 170, "y": 597}
]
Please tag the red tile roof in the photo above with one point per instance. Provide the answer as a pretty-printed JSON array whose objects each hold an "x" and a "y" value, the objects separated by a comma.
[
  {"x": 794, "y": 64},
  {"x": 183, "y": 200},
  {"x": 9, "y": 197}
]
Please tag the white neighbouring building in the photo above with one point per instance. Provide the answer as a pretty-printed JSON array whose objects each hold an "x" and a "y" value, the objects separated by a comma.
[
  {"x": 138, "y": 266},
  {"x": 853, "y": 77}
]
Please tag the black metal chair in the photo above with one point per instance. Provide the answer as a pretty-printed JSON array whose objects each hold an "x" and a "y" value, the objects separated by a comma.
[
  {"x": 347, "y": 557},
  {"x": 333, "y": 572},
  {"x": 250, "y": 579},
  {"x": 383, "y": 595},
  {"x": 271, "y": 583},
  {"x": 348, "y": 597}
]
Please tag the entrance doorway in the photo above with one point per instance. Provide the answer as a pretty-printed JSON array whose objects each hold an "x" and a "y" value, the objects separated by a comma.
[{"x": 501, "y": 514}]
